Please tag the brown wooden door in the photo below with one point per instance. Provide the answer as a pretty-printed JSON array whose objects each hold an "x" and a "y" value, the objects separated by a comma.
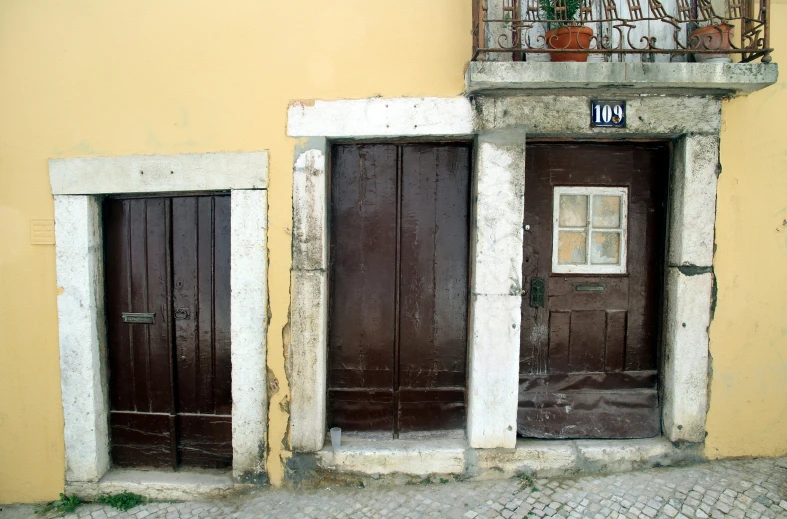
[
  {"x": 170, "y": 378},
  {"x": 594, "y": 227},
  {"x": 398, "y": 311}
]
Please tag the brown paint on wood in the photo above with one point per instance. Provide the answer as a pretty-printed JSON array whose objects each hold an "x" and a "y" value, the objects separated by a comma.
[
  {"x": 595, "y": 337},
  {"x": 140, "y": 439},
  {"x": 615, "y": 354},
  {"x": 559, "y": 336},
  {"x": 398, "y": 313},
  {"x": 169, "y": 256}
]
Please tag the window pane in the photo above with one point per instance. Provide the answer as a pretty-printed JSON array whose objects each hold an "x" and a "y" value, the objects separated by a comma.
[
  {"x": 571, "y": 248},
  {"x": 573, "y": 211},
  {"x": 605, "y": 248},
  {"x": 606, "y": 211}
]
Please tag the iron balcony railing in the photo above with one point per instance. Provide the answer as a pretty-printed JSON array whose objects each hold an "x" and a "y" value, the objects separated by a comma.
[{"x": 623, "y": 30}]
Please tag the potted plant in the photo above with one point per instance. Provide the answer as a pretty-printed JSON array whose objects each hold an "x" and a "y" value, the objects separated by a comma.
[
  {"x": 565, "y": 31},
  {"x": 716, "y": 36}
]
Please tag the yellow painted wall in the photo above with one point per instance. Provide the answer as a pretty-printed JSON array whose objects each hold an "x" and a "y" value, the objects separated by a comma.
[
  {"x": 86, "y": 78},
  {"x": 748, "y": 406},
  {"x": 83, "y": 78}
]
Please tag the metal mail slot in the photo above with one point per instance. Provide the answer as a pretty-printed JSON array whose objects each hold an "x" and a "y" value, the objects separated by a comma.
[
  {"x": 138, "y": 318},
  {"x": 589, "y": 288}
]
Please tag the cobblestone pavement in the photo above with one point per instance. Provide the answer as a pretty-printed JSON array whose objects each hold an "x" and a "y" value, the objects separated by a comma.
[{"x": 739, "y": 489}]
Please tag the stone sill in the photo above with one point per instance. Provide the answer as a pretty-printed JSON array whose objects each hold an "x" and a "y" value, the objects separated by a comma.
[
  {"x": 184, "y": 485},
  {"x": 540, "y": 458},
  {"x": 538, "y": 78}
]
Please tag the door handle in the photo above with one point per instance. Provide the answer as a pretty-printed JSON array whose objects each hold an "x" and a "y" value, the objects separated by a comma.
[
  {"x": 537, "y": 290},
  {"x": 181, "y": 313}
]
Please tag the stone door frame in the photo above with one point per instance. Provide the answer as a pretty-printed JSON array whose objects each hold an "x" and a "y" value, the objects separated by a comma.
[
  {"x": 499, "y": 126},
  {"x": 78, "y": 185}
]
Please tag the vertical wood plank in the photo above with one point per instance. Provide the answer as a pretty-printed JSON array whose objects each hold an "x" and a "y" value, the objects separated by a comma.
[
  {"x": 157, "y": 283},
  {"x": 417, "y": 355},
  {"x": 362, "y": 309},
  {"x": 117, "y": 272},
  {"x": 204, "y": 318},
  {"x": 433, "y": 302},
  {"x": 184, "y": 300},
  {"x": 139, "y": 303},
  {"x": 221, "y": 340}
]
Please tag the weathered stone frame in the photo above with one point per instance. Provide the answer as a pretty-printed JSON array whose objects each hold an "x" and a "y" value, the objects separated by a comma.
[
  {"x": 499, "y": 126},
  {"x": 78, "y": 186}
]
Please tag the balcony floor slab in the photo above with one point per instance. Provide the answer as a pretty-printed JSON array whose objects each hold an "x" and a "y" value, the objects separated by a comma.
[{"x": 540, "y": 78}]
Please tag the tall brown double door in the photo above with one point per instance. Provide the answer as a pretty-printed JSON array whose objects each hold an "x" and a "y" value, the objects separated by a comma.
[
  {"x": 398, "y": 308},
  {"x": 168, "y": 327},
  {"x": 594, "y": 229}
]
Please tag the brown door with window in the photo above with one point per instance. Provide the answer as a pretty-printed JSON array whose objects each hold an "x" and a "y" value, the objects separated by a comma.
[
  {"x": 593, "y": 261},
  {"x": 168, "y": 327},
  {"x": 398, "y": 310}
]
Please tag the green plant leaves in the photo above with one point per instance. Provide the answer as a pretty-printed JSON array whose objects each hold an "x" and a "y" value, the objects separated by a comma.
[
  {"x": 550, "y": 11},
  {"x": 65, "y": 505},
  {"x": 122, "y": 501}
]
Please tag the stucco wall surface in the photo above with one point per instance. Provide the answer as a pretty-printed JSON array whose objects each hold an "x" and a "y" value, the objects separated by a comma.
[
  {"x": 86, "y": 78},
  {"x": 748, "y": 333}
]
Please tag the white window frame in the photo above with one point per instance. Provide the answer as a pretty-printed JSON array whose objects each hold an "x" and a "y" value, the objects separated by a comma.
[{"x": 589, "y": 191}]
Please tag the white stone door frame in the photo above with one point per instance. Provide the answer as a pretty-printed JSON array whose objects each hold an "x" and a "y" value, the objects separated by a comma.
[
  {"x": 499, "y": 127},
  {"x": 78, "y": 185}
]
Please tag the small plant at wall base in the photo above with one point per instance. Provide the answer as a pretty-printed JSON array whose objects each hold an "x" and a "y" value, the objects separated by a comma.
[
  {"x": 64, "y": 505},
  {"x": 123, "y": 501},
  {"x": 565, "y": 31}
]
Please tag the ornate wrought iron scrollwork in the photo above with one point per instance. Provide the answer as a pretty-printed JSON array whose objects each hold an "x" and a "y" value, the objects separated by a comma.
[{"x": 628, "y": 27}]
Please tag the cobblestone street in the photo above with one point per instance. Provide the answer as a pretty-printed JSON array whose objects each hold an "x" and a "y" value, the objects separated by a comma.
[{"x": 741, "y": 488}]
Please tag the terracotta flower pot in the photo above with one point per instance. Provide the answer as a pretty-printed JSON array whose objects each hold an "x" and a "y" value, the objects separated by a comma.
[
  {"x": 569, "y": 37},
  {"x": 713, "y": 37}
]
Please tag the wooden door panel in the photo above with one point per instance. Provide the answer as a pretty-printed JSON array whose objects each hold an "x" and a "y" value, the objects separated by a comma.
[
  {"x": 593, "y": 328},
  {"x": 185, "y": 294},
  {"x": 362, "y": 326},
  {"x": 589, "y": 405},
  {"x": 433, "y": 285},
  {"x": 398, "y": 315},
  {"x": 137, "y": 237},
  {"x": 615, "y": 340},
  {"x": 204, "y": 440},
  {"x": 165, "y": 253},
  {"x": 564, "y": 296},
  {"x": 198, "y": 250},
  {"x": 141, "y": 439},
  {"x": 586, "y": 414},
  {"x": 222, "y": 365},
  {"x": 361, "y": 409},
  {"x": 431, "y": 409},
  {"x": 586, "y": 341}
]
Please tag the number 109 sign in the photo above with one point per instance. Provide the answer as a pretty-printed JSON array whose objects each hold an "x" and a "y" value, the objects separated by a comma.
[{"x": 608, "y": 114}]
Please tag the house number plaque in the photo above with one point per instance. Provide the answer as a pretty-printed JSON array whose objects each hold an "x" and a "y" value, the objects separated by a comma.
[{"x": 608, "y": 114}]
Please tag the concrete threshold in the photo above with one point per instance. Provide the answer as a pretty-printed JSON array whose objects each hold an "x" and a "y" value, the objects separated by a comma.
[
  {"x": 160, "y": 484},
  {"x": 376, "y": 457}
]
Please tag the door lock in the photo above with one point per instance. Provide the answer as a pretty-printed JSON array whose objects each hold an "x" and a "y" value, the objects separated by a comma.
[{"x": 181, "y": 313}]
